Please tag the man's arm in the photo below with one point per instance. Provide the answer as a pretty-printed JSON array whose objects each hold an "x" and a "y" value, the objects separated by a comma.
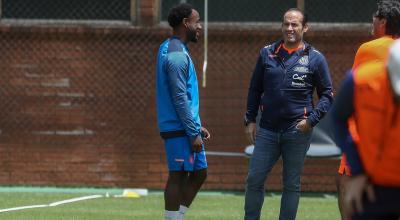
[
  {"x": 178, "y": 70},
  {"x": 342, "y": 110},
  {"x": 255, "y": 90},
  {"x": 324, "y": 90},
  {"x": 358, "y": 185}
]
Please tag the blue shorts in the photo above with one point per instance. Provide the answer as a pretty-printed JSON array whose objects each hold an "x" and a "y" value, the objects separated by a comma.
[{"x": 181, "y": 157}]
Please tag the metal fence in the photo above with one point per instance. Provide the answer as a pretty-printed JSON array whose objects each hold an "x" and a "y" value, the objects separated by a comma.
[
  {"x": 72, "y": 9},
  {"x": 272, "y": 10},
  {"x": 219, "y": 10}
]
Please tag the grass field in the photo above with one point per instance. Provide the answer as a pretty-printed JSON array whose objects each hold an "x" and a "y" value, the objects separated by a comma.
[{"x": 216, "y": 206}]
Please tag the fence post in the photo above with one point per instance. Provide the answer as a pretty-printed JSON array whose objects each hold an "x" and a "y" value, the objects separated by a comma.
[
  {"x": 134, "y": 12},
  {"x": 301, "y": 5},
  {"x": 147, "y": 12},
  {"x": 157, "y": 11}
]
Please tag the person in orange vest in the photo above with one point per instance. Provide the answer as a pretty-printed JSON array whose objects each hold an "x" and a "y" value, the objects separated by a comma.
[
  {"x": 371, "y": 94},
  {"x": 384, "y": 30}
]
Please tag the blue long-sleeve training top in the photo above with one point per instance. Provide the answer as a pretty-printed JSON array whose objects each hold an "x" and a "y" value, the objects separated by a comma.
[
  {"x": 177, "y": 91},
  {"x": 282, "y": 85},
  {"x": 342, "y": 110}
]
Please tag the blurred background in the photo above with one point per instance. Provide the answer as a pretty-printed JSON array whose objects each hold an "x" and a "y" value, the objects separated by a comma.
[{"x": 77, "y": 86}]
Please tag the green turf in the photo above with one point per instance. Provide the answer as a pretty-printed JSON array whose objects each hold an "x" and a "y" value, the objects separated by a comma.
[{"x": 207, "y": 206}]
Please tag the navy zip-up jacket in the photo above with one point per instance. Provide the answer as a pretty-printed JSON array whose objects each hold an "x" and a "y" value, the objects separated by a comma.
[{"x": 283, "y": 84}]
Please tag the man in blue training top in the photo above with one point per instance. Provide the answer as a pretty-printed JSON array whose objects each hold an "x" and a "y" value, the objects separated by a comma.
[
  {"x": 178, "y": 112},
  {"x": 282, "y": 85}
]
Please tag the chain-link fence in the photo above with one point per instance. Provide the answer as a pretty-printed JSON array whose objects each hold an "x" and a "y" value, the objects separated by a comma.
[
  {"x": 77, "y": 89},
  {"x": 272, "y": 10},
  {"x": 72, "y": 9}
]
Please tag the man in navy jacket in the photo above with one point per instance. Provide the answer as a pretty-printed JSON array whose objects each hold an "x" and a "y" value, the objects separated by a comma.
[{"x": 283, "y": 82}]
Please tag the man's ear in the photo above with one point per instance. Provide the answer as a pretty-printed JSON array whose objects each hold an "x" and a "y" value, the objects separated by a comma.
[
  {"x": 184, "y": 22},
  {"x": 305, "y": 28}
]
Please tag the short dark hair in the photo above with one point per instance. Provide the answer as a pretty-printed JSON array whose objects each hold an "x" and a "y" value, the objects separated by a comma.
[
  {"x": 178, "y": 13},
  {"x": 390, "y": 10},
  {"x": 305, "y": 17}
]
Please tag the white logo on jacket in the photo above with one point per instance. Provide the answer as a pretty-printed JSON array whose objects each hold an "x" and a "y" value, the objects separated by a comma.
[
  {"x": 301, "y": 69},
  {"x": 298, "y": 81},
  {"x": 304, "y": 60}
]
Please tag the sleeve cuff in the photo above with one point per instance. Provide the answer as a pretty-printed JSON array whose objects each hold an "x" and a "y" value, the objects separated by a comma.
[
  {"x": 249, "y": 119},
  {"x": 192, "y": 138},
  {"x": 311, "y": 121}
]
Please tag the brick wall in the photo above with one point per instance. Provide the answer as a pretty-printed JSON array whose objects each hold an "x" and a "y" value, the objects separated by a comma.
[{"x": 78, "y": 104}]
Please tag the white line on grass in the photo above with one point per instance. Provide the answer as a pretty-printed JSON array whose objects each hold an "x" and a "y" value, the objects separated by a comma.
[
  {"x": 52, "y": 204},
  {"x": 75, "y": 200},
  {"x": 23, "y": 207}
]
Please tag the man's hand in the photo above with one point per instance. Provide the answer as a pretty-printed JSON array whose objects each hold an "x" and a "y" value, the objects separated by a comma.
[
  {"x": 304, "y": 126},
  {"x": 197, "y": 144},
  {"x": 356, "y": 186},
  {"x": 250, "y": 131},
  {"x": 206, "y": 135}
]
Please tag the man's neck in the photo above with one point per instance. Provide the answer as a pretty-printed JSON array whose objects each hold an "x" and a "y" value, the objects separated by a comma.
[
  {"x": 180, "y": 34},
  {"x": 292, "y": 48}
]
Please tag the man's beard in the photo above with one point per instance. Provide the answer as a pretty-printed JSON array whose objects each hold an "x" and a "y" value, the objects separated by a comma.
[{"x": 191, "y": 35}]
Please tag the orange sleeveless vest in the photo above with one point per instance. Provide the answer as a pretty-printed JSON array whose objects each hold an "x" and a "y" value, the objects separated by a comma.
[
  {"x": 377, "y": 49},
  {"x": 377, "y": 119}
]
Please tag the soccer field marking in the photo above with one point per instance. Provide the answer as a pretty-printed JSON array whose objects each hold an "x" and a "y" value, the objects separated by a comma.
[
  {"x": 62, "y": 202},
  {"x": 75, "y": 200},
  {"x": 23, "y": 207}
]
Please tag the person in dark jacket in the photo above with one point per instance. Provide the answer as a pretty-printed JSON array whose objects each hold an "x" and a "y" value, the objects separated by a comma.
[{"x": 283, "y": 82}]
